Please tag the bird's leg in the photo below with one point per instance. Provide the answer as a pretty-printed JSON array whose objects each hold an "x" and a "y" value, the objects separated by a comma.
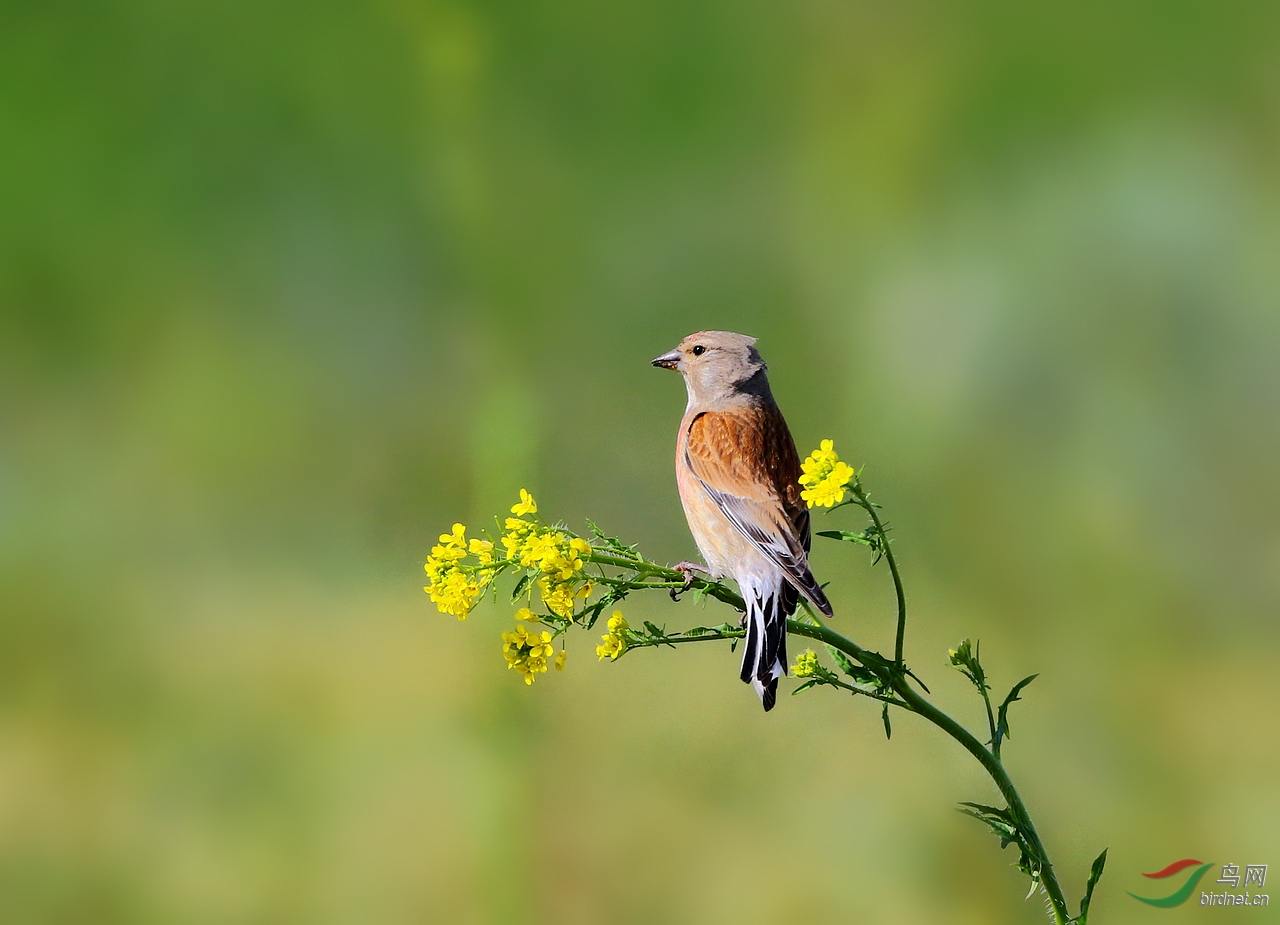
[{"x": 687, "y": 569}]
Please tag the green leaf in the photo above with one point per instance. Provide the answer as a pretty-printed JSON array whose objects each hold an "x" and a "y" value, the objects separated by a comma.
[
  {"x": 592, "y": 613},
  {"x": 613, "y": 544},
  {"x": 835, "y": 507},
  {"x": 1095, "y": 874},
  {"x": 1002, "y": 725},
  {"x": 867, "y": 537},
  {"x": 804, "y": 687},
  {"x": 1006, "y": 827},
  {"x": 846, "y": 664},
  {"x": 519, "y": 589},
  {"x": 884, "y": 715},
  {"x": 859, "y": 673},
  {"x": 999, "y": 820},
  {"x": 723, "y": 629}
]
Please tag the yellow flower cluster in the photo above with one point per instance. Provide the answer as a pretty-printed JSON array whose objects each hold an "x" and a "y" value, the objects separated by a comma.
[
  {"x": 458, "y": 571},
  {"x": 455, "y": 585},
  {"x": 806, "y": 665},
  {"x": 527, "y": 652},
  {"x": 555, "y": 553},
  {"x": 614, "y": 641},
  {"x": 825, "y": 476},
  {"x": 453, "y": 589}
]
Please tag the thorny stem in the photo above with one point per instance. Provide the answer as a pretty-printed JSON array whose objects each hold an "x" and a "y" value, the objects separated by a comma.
[
  {"x": 991, "y": 717},
  {"x": 895, "y": 673},
  {"x": 916, "y": 703},
  {"x": 865, "y": 503},
  {"x": 673, "y": 579}
]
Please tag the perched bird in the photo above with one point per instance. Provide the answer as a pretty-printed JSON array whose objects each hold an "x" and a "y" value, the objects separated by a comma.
[{"x": 738, "y": 474}]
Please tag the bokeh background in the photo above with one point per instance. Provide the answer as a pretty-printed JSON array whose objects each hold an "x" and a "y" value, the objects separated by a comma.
[{"x": 286, "y": 289}]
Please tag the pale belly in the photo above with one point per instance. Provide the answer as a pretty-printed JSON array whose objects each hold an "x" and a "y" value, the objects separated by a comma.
[{"x": 726, "y": 551}]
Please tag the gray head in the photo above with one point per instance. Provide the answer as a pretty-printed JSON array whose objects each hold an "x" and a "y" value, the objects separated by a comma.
[{"x": 718, "y": 365}]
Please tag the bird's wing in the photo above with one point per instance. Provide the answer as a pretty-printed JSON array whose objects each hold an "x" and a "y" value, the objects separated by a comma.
[{"x": 747, "y": 462}]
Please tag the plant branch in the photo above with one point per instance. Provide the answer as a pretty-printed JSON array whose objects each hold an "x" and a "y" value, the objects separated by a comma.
[
  {"x": 900, "y": 639},
  {"x": 916, "y": 703},
  {"x": 893, "y": 675}
]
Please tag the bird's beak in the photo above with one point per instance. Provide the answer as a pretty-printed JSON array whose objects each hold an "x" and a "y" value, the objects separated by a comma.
[{"x": 668, "y": 360}]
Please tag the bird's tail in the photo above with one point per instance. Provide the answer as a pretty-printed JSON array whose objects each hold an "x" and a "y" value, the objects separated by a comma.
[{"x": 764, "y": 654}]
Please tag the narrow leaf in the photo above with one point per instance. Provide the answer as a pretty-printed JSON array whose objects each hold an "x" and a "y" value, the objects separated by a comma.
[
  {"x": 859, "y": 673},
  {"x": 849, "y": 536},
  {"x": 888, "y": 730},
  {"x": 523, "y": 583},
  {"x": 845, "y": 663},
  {"x": 1095, "y": 874},
  {"x": 1003, "y": 724}
]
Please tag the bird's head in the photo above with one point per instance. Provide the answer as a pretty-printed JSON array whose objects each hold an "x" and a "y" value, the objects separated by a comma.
[{"x": 716, "y": 364}]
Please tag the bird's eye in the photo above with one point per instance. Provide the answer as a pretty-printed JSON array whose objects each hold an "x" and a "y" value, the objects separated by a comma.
[{"x": 699, "y": 350}]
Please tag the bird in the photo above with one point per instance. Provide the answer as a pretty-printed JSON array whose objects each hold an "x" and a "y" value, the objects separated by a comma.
[{"x": 738, "y": 474}]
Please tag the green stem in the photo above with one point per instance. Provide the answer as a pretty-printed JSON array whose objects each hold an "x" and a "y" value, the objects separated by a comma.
[
  {"x": 678, "y": 640},
  {"x": 883, "y": 698},
  {"x": 991, "y": 723},
  {"x": 717, "y": 590},
  {"x": 870, "y": 508},
  {"x": 896, "y": 675},
  {"x": 917, "y": 704}
]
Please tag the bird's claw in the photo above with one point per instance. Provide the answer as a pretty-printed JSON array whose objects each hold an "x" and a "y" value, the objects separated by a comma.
[{"x": 686, "y": 569}]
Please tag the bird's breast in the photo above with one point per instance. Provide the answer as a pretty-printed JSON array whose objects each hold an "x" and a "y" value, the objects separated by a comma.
[{"x": 723, "y": 547}]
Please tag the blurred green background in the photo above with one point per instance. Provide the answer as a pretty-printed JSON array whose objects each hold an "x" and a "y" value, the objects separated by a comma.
[{"x": 286, "y": 289}]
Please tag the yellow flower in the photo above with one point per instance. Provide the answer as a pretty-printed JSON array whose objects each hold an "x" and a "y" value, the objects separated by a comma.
[
  {"x": 526, "y": 506},
  {"x": 527, "y": 652},
  {"x": 517, "y": 531},
  {"x": 453, "y": 546},
  {"x": 540, "y": 550},
  {"x": 558, "y": 597},
  {"x": 560, "y": 660},
  {"x": 482, "y": 550},
  {"x": 614, "y": 642},
  {"x": 806, "y": 665},
  {"x": 825, "y": 476},
  {"x": 524, "y": 613},
  {"x": 611, "y": 647},
  {"x": 559, "y": 557},
  {"x": 451, "y": 589}
]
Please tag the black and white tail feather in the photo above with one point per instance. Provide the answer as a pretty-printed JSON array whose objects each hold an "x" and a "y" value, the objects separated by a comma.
[
  {"x": 771, "y": 600},
  {"x": 764, "y": 654}
]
